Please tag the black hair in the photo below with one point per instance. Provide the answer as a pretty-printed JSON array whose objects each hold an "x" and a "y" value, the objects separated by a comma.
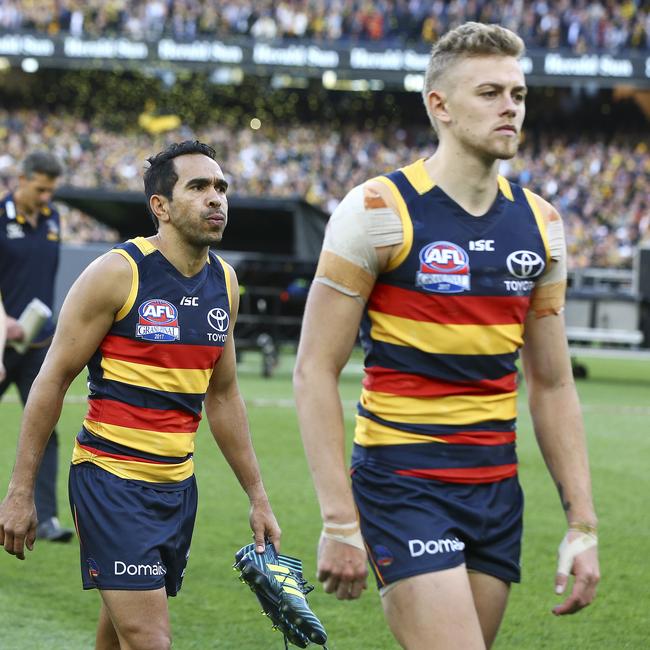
[
  {"x": 160, "y": 176},
  {"x": 42, "y": 162}
]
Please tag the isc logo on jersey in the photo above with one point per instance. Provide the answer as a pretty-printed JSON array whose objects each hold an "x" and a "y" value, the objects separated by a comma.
[
  {"x": 158, "y": 321},
  {"x": 444, "y": 268}
]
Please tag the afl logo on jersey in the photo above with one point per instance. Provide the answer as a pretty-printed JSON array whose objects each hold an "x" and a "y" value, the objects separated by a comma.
[
  {"x": 157, "y": 321},
  {"x": 444, "y": 268},
  {"x": 525, "y": 264}
]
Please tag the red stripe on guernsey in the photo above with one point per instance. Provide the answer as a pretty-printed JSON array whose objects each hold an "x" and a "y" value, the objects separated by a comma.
[
  {"x": 448, "y": 309},
  {"x": 183, "y": 357},
  {"x": 463, "y": 474},
  {"x": 139, "y": 459},
  {"x": 387, "y": 380},
  {"x": 484, "y": 438},
  {"x": 109, "y": 411}
]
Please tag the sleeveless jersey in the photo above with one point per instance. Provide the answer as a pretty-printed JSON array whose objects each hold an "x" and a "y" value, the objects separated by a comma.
[
  {"x": 441, "y": 333},
  {"x": 149, "y": 376}
]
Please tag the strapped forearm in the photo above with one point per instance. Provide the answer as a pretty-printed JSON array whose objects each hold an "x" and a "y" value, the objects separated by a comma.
[{"x": 348, "y": 533}]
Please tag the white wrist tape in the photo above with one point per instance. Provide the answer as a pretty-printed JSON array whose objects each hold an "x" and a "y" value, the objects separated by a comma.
[
  {"x": 349, "y": 534},
  {"x": 570, "y": 549}
]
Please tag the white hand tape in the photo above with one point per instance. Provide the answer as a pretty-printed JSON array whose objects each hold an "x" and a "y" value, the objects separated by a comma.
[
  {"x": 355, "y": 539},
  {"x": 570, "y": 549}
]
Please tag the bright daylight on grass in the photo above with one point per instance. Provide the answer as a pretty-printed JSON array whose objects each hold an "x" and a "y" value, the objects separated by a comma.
[{"x": 216, "y": 611}]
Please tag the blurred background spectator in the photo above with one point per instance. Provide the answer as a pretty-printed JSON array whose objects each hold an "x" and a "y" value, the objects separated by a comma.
[
  {"x": 581, "y": 25},
  {"x": 585, "y": 148},
  {"x": 600, "y": 184}
]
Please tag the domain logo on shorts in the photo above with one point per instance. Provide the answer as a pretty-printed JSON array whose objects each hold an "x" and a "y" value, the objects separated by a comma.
[{"x": 418, "y": 547}]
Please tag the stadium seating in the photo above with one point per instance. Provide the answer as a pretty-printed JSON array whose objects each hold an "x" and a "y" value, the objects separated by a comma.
[
  {"x": 600, "y": 187},
  {"x": 574, "y": 24}
]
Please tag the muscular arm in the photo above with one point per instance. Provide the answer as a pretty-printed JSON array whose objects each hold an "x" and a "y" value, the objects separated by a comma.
[
  {"x": 362, "y": 234},
  {"x": 87, "y": 314},
  {"x": 557, "y": 419},
  {"x": 329, "y": 332},
  {"x": 226, "y": 413}
]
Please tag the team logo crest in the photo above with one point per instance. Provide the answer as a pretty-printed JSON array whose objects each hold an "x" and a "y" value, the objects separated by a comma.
[
  {"x": 383, "y": 555},
  {"x": 525, "y": 264},
  {"x": 158, "y": 321},
  {"x": 93, "y": 568},
  {"x": 15, "y": 231},
  {"x": 444, "y": 268}
]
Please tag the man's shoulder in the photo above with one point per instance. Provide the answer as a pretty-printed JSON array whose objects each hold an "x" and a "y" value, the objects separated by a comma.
[
  {"x": 372, "y": 194},
  {"x": 545, "y": 208}
]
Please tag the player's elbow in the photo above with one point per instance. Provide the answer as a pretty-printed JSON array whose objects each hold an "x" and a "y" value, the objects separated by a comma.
[
  {"x": 301, "y": 375},
  {"x": 311, "y": 372}
]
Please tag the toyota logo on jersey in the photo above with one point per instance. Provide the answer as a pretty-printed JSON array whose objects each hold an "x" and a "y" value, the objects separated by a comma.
[
  {"x": 218, "y": 319},
  {"x": 525, "y": 264},
  {"x": 157, "y": 321},
  {"x": 444, "y": 268}
]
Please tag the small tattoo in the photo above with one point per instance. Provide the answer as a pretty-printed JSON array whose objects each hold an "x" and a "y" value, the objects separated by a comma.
[{"x": 565, "y": 504}]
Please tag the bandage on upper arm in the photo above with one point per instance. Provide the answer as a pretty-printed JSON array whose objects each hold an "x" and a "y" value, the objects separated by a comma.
[
  {"x": 363, "y": 222},
  {"x": 548, "y": 297}
]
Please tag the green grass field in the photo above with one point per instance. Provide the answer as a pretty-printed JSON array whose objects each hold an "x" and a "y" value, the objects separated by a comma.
[{"x": 42, "y": 605}]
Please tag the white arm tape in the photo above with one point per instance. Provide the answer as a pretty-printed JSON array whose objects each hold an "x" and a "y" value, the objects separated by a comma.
[
  {"x": 570, "y": 549},
  {"x": 345, "y": 533}
]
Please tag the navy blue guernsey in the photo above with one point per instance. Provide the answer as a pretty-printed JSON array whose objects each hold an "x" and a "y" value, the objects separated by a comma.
[
  {"x": 442, "y": 330},
  {"x": 29, "y": 259},
  {"x": 149, "y": 375}
]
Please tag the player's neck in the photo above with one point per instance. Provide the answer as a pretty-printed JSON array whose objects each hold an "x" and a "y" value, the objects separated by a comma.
[
  {"x": 187, "y": 259},
  {"x": 29, "y": 212},
  {"x": 467, "y": 179}
]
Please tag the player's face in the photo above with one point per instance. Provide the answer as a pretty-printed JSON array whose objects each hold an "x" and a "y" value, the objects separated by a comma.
[
  {"x": 199, "y": 207},
  {"x": 36, "y": 190},
  {"x": 486, "y": 105}
]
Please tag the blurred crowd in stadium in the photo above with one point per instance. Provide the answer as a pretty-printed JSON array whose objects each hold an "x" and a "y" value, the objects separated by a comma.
[
  {"x": 581, "y": 25},
  {"x": 602, "y": 188}
]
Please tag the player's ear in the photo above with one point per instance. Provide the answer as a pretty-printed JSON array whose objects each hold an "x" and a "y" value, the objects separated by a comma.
[
  {"x": 437, "y": 105},
  {"x": 159, "y": 205}
]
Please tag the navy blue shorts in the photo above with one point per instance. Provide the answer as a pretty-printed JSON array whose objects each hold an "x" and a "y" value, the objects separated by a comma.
[
  {"x": 413, "y": 525},
  {"x": 133, "y": 535}
]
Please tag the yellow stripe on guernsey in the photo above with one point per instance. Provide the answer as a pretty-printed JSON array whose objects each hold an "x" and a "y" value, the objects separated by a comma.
[
  {"x": 288, "y": 584},
  {"x": 418, "y": 176},
  {"x": 135, "y": 281},
  {"x": 169, "y": 380},
  {"x": 368, "y": 433},
  {"x": 504, "y": 186},
  {"x": 136, "y": 470},
  {"x": 172, "y": 444},
  {"x": 145, "y": 246},
  {"x": 226, "y": 273},
  {"x": 407, "y": 224},
  {"x": 541, "y": 222},
  {"x": 453, "y": 409},
  {"x": 438, "y": 338}
]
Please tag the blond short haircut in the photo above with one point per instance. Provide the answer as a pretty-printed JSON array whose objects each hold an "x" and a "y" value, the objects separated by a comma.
[{"x": 469, "y": 39}]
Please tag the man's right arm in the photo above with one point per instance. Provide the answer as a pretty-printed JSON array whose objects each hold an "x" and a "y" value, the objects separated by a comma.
[
  {"x": 329, "y": 331},
  {"x": 86, "y": 316},
  {"x": 361, "y": 236}
]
